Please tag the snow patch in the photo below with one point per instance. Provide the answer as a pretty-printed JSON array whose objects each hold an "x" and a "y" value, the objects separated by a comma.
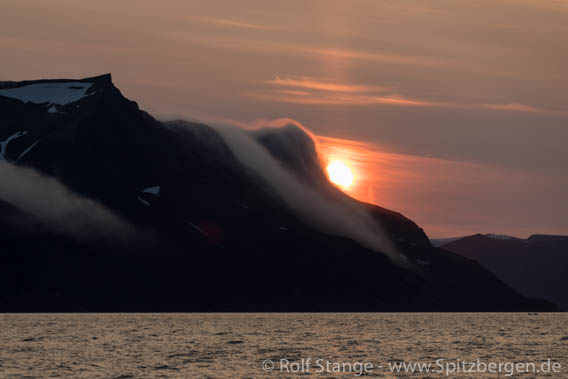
[
  {"x": 198, "y": 228},
  {"x": 4, "y": 144},
  {"x": 422, "y": 262},
  {"x": 53, "y": 93},
  {"x": 500, "y": 237},
  {"x": 153, "y": 190},
  {"x": 52, "y": 109},
  {"x": 143, "y": 201},
  {"x": 27, "y": 150}
]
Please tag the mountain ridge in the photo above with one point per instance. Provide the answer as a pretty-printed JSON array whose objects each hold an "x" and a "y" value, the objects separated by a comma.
[
  {"x": 220, "y": 228},
  {"x": 536, "y": 266}
]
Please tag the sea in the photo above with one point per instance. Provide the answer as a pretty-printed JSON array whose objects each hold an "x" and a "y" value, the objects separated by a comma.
[{"x": 284, "y": 345}]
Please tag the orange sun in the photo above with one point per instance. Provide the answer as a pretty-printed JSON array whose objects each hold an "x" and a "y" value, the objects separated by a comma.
[{"x": 340, "y": 174}]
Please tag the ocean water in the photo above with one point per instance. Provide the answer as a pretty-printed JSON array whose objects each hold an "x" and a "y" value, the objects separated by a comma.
[{"x": 281, "y": 345}]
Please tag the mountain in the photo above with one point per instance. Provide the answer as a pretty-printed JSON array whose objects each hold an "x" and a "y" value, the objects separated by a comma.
[
  {"x": 536, "y": 267},
  {"x": 443, "y": 241},
  {"x": 105, "y": 208}
]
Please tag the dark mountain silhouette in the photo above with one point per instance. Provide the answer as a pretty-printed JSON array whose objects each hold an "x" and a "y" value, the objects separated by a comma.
[
  {"x": 213, "y": 235},
  {"x": 536, "y": 267}
]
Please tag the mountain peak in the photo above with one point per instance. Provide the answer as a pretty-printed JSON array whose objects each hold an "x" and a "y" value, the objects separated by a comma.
[
  {"x": 104, "y": 79},
  {"x": 55, "y": 92},
  {"x": 500, "y": 237}
]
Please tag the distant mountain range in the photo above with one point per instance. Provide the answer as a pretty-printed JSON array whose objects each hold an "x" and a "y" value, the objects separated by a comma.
[
  {"x": 104, "y": 208},
  {"x": 443, "y": 241},
  {"x": 536, "y": 266}
]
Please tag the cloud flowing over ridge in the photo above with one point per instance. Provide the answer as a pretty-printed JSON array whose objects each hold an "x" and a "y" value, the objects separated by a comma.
[{"x": 331, "y": 214}]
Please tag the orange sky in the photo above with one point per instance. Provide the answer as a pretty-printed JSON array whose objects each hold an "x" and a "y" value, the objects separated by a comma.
[
  {"x": 461, "y": 104},
  {"x": 443, "y": 196}
]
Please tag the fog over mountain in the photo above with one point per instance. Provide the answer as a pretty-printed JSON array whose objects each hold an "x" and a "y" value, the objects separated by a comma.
[
  {"x": 319, "y": 206},
  {"x": 55, "y": 205}
]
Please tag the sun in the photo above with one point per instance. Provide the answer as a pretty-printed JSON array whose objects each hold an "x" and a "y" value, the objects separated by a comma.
[{"x": 340, "y": 174}]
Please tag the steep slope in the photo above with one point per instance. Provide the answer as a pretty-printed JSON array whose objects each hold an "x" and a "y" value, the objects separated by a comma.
[
  {"x": 222, "y": 237},
  {"x": 536, "y": 267}
]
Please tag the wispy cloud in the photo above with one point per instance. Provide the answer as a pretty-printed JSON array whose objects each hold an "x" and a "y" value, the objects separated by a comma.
[
  {"x": 315, "y": 84},
  {"x": 340, "y": 99},
  {"x": 307, "y": 90},
  {"x": 390, "y": 58},
  {"x": 229, "y": 23},
  {"x": 294, "y": 93},
  {"x": 271, "y": 48},
  {"x": 313, "y": 91},
  {"x": 515, "y": 107}
]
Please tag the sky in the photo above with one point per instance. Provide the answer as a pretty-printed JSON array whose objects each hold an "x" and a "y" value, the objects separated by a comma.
[{"x": 453, "y": 113}]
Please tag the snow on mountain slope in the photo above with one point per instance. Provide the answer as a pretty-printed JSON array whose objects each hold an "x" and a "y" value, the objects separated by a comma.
[
  {"x": 153, "y": 190},
  {"x": 4, "y": 144},
  {"x": 500, "y": 236},
  {"x": 52, "y": 93},
  {"x": 27, "y": 150},
  {"x": 143, "y": 201},
  {"x": 443, "y": 241}
]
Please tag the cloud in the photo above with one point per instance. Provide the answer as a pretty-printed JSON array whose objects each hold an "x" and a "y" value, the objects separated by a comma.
[
  {"x": 390, "y": 58},
  {"x": 294, "y": 93},
  {"x": 229, "y": 23},
  {"x": 314, "y": 84},
  {"x": 318, "y": 92},
  {"x": 55, "y": 205},
  {"x": 353, "y": 99},
  {"x": 514, "y": 107},
  {"x": 309, "y": 51},
  {"x": 330, "y": 214},
  {"x": 312, "y": 91}
]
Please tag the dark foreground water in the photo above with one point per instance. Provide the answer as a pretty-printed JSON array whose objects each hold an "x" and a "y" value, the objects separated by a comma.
[{"x": 283, "y": 345}]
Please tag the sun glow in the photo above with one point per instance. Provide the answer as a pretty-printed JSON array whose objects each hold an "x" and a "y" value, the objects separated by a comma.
[{"x": 340, "y": 174}]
